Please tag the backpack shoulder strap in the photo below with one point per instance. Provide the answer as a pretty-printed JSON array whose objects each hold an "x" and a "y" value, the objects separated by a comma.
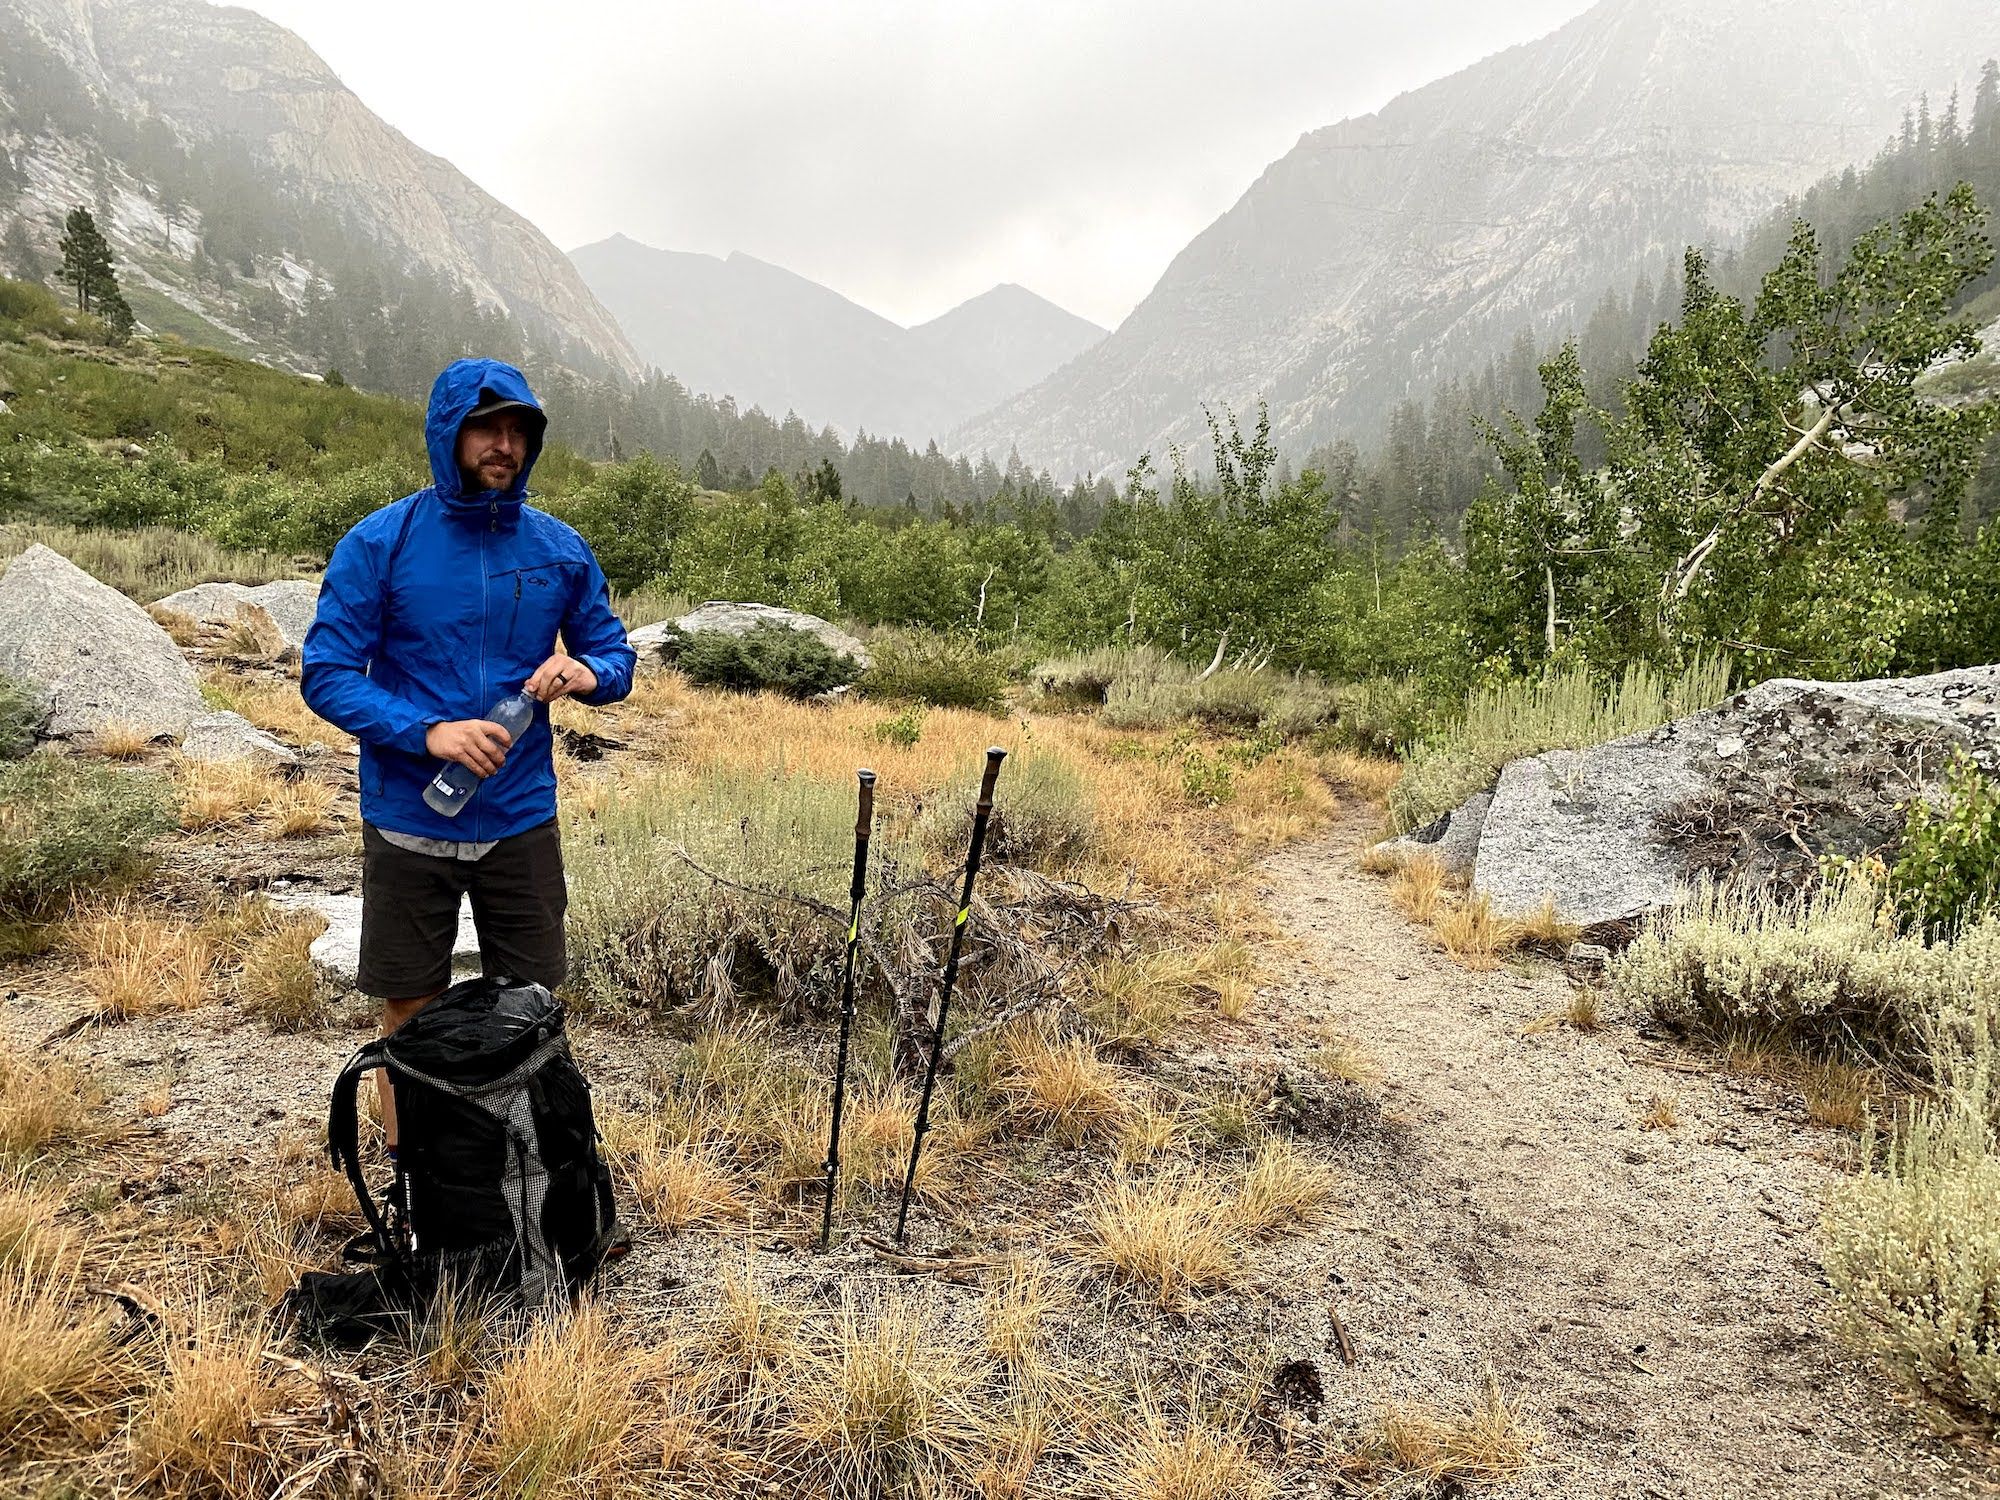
[{"x": 343, "y": 1137}]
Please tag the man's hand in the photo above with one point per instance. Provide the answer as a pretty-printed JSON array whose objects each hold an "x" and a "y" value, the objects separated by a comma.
[
  {"x": 560, "y": 675},
  {"x": 479, "y": 745}
]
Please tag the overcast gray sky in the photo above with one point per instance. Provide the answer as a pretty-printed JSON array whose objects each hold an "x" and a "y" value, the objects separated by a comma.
[{"x": 908, "y": 153}]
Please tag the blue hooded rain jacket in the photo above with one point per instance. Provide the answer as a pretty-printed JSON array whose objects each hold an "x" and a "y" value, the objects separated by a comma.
[{"x": 436, "y": 607}]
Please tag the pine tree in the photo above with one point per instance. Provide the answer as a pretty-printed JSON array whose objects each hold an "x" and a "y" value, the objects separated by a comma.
[
  {"x": 20, "y": 255},
  {"x": 86, "y": 260}
]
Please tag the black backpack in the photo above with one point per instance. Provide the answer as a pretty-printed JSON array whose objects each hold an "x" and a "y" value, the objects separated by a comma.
[{"x": 499, "y": 1190}]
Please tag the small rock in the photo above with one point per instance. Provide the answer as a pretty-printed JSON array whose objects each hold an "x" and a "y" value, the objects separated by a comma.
[{"x": 230, "y": 736}]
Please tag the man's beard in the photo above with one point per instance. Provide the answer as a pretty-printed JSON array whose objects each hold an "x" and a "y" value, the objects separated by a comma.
[{"x": 494, "y": 476}]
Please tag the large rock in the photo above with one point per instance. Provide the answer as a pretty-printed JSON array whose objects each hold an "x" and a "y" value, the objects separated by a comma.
[
  {"x": 338, "y": 950},
  {"x": 96, "y": 657},
  {"x": 290, "y": 602},
  {"x": 230, "y": 736},
  {"x": 655, "y": 643},
  {"x": 1755, "y": 790},
  {"x": 1452, "y": 840}
]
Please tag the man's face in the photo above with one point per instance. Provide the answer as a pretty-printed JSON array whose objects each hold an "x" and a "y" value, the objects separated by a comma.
[{"x": 492, "y": 448}]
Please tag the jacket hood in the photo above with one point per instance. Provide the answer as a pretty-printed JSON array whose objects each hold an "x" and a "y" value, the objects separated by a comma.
[{"x": 460, "y": 387}]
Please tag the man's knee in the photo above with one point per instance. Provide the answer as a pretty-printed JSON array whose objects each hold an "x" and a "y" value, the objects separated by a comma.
[{"x": 396, "y": 1012}]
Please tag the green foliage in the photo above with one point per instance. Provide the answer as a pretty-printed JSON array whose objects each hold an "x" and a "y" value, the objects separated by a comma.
[
  {"x": 86, "y": 270},
  {"x": 902, "y": 729},
  {"x": 72, "y": 825},
  {"x": 1947, "y": 869},
  {"x": 1750, "y": 488},
  {"x": 767, "y": 658},
  {"x": 1206, "y": 780},
  {"x": 1384, "y": 715},
  {"x": 635, "y": 513},
  {"x": 1562, "y": 710},
  {"x": 1827, "y": 972},
  {"x": 1144, "y": 688},
  {"x": 943, "y": 670},
  {"x": 22, "y": 713},
  {"x": 1042, "y": 814}
]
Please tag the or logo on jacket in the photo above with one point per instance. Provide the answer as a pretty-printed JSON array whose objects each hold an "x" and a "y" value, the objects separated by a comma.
[{"x": 439, "y": 605}]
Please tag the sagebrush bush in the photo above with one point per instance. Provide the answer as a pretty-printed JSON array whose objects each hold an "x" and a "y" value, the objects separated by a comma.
[
  {"x": 1947, "y": 871},
  {"x": 72, "y": 825},
  {"x": 943, "y": 670},
  {"x": 22, "y": 713},
  {"x": 1142, "y": 687},
  {"x": 1829, "y": 970},
  {"x": 766, "y": 658},
  {"x": 1042, "y": 814},
  {"x": 1383, "y": 715},
  {"x": 1566, "y": 710}
]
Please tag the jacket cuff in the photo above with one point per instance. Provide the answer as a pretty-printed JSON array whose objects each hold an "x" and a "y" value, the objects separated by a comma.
[
  {"x": 414, "y": 738},
  {"x": 600, "y": 668}
]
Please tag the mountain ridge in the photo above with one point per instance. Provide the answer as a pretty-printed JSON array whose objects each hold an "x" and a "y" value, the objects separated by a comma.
[
  {"x": 771, "y": 337},
  {"x": 1386, "y": 249}
]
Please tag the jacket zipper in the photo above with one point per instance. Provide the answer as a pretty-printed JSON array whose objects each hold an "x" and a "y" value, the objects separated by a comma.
[
  {"x": 514, "y": 623},
  {"x": 485, "y": 599}
]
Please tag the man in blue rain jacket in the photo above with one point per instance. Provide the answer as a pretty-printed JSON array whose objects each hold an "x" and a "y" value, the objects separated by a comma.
[{"x": 433, "y": 609}]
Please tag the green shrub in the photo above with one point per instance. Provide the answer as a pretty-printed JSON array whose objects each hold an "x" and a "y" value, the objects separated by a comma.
[
  {"x": 903, "y": 729},
  {"x": 1566, "y": 710},
  {"x": 70, "y": 825},
  {"x": 1947, "y": 873},
  {"x": 1042, "y": 815},
  {"x": 1084, "y": 680},
  {"x": 926, "y": 666},
  {"x": 1142, "y": 687},
  {"x": 767, "y": 658},
  {"x": 1826, "y": 971},
  {"x": 22, "y": 712},
  {"x": 1383, "y": 715},
  {"x": 1912, "y": 1242}
]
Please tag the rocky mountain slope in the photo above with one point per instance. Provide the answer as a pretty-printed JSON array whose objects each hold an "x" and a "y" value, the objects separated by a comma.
[
  {"x": 1385, "y": 250},
  {"x": 769, "y": 337},
  {"x": 223, "y": 82}
]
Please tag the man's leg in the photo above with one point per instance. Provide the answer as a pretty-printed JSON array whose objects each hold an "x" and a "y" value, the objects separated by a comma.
[
  {"x": 518, "y": 901},
  {"x": 409, "y": 921}
]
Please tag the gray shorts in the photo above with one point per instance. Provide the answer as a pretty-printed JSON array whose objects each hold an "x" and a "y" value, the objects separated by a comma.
[{"x": 410, "y": 904}]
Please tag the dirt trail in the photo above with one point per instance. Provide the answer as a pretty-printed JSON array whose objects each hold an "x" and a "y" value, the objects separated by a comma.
[{"x": 1652, "y": 1296}]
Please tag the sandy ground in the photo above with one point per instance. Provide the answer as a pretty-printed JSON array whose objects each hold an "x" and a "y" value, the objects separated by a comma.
[{"x": 1651, "y": 1297}]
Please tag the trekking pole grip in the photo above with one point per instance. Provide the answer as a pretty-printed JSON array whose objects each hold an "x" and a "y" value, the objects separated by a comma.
[
  {"x": 864, "y": 827},
  {"x": 994, "y": 755}
]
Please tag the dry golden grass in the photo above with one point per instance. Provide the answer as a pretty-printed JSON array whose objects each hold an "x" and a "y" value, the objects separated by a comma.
[
  {"x": 1154, "y": 1458},
  {"x": 1233, "y": 997},
  {"x": 1472, "y": 933},
  {"x": 1339, "y": 1055},
  {"x": 55, "y": 1354},
  {"x": 1167, "y": 1236},
  {"x": 31, "y": 1231},
  {"x": 43, "y": 1104},
  {"x": 139, "y": 963},
  {"x": 1838, "y": 1095},
  {"x": 1147, "y": 1132},
  {"x": 301, "y": 809},
  {"x": 679, "y": 1184},
  {"x": 883, "y": 1401},
  {"x": 1017, "y": 1304},
  {"x": 1060, "y": 1086},
  {"x": 563, "y": 1414},
  {"x": 1370, "y": 775},
  {"x": 279, "y": 980},
  {"x": 1585, "y": 1011},
  {"x": 120, "y": 740},
  {"x": 1420, "y": 888},
  {"x": 1448, "y": 1451},
  {"x": 1544, "y": 929},
  {"x": 1662, "y": 1112},
  {"x": 1376, "y": 860},
  {"x": 223, "y": 794},
  {"x": 206, "y": 1429},
  {"x": 1282, "y": 1187},
  {"x": 181, "y": 629},
  {"x": 314, "y": 1197}
]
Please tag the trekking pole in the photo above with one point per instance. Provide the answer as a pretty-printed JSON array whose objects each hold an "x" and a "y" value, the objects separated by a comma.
[
  {"x": 980, "y": 814},
  {"x": 864, "y": 824}
]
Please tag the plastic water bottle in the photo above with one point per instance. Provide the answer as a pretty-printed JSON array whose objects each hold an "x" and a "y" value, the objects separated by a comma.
[{"x": 453, "y": 787}]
